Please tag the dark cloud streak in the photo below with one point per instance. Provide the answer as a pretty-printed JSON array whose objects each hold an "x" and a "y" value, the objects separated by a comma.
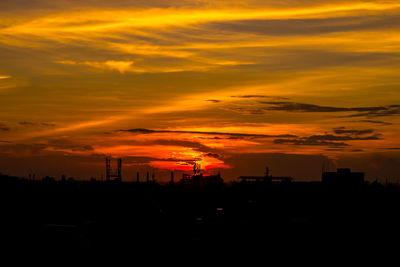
[
  {"x": 259, "y": 96},
  {"x": 288, "y": 106},
  {"x": 302, "y": 107},
  {"x": 313, "y": 26},
  {"x": 213, "y": 100},
  {"x": 375, "y": 122},
  {"x": 148, "y": 131},
  {"x": 343, "y": 130},
  {"x": 327, "y": 139},
  {"x": 4, "y": 127}
]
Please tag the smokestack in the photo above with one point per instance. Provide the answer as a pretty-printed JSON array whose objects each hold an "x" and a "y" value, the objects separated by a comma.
[
  {"x": 172, "y": 177},
  {"x": 108, "y": 168},
  {"x": 119, "y": 174},
  {"x": 147, "y": 177},
  {"x": 137, "y": 177}
]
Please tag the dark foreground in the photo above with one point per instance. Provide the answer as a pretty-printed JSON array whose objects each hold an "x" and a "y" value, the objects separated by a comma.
[{"x": 100, "y": 216}]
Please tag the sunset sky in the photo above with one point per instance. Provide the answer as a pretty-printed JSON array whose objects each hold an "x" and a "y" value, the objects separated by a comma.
[{"x": 233, "y": 85}]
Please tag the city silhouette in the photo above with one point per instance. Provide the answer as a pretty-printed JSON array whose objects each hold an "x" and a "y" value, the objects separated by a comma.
[
  {"x": 242, "y": 128},
  {"x": 199, "y": 209}
]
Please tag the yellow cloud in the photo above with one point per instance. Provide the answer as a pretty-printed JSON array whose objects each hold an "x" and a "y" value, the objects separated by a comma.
[
  {"x": 111, "y": 20},
  {"x": 127, "y": 66},
  {"x": 149, "y": 50},
  {"x": 121, "y": 66}
]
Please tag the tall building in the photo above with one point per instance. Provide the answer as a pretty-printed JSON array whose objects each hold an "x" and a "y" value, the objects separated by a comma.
[{"x": 343, "y": 176}]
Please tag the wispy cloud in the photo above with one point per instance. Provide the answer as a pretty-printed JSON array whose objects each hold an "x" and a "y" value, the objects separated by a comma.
[
  {"x": 309, "y": 142},
  {"x": 259, "y": 96},
  {"x": 375, "y": 122},
  {"x": 4, "y": 127},
  {"x": 26, "y": 123},
  {"x": 323, "y": 140},
  {"x": 213, "y": 100},
  {"x": 302, "y": 107},
  {"x": 104, "y": 20},
  {"x": 337, "y": 139},
  {"x": 30, "y": 123},
  {"x": 343, "y": 130},
  {"x": 372, "y": 111},
  {"x": 148, "y": 131},
  {"x": 121, "y": 66},
  {"x": 391, "y": 110}
]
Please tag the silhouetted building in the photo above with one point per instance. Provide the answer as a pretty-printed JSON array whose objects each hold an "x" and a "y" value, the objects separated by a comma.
[
  {"x": 199, "y": 179},
  {"x": 109, "y": 173},
  {"x": 265, "y": 179},
  {"x": 343, "y": 176},
  {"x": 48, "y": 179}
]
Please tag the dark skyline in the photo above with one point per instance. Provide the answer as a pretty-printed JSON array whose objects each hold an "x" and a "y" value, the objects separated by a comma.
[
  {"x": 275, "y": 214},
  {"x": 234, "y": 85}
]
